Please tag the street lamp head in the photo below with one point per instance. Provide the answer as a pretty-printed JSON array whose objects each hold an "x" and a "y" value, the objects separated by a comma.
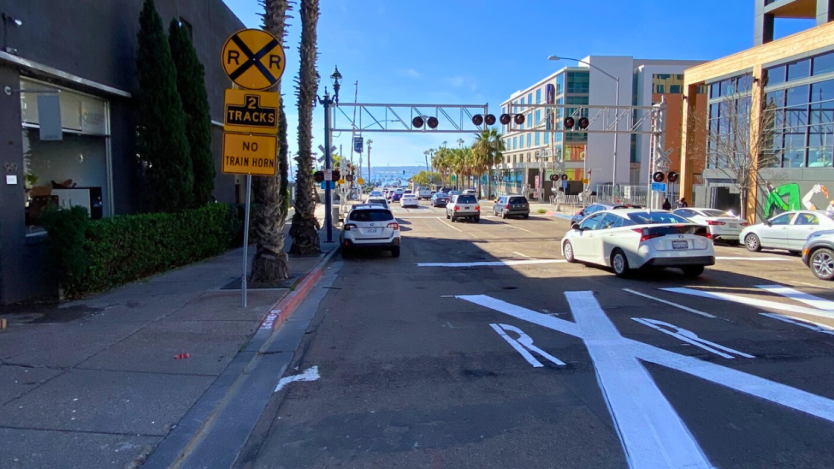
[
  {"x": 553, "y": 57},
  {"x": 336, "y": 78}
]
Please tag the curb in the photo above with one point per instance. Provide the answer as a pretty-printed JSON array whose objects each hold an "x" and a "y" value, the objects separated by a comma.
[{"x": 281, "y": 310}]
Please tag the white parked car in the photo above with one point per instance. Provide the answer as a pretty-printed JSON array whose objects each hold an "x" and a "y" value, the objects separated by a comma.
[
  {"x": 370, "y": 226},
  {"x": 463, "y": 206},
  {"x": 788, "y": 231},
  {"x": 409, "y": 200},
  {"x": 628, "y": 239},
  {"x": 722, "y": 225}
]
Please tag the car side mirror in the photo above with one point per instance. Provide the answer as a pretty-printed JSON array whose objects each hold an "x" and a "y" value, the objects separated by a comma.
[
  {"x": 575, "y": 226},
  {"x": 768, "y": 223}
]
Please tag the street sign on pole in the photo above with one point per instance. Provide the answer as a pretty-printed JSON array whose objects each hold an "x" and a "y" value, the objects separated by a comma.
[
  {"x": 659, "y": 186},
  {"x": 248, "y": 154},
  {"x": 358, "y": 143},
  {"x": 253, "y": 59},
  {"x": 254, "y": 112}
]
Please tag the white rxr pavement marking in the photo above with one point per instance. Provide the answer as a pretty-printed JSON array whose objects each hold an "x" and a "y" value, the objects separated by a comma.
[
  {"x": 691, "y": 337},
  {"x": 651, "y": 432},
  {"x": 310, "y": 374},
  {"x": 523, "y": 344},
  {"x": 685, "y": 308},
  {"x": 491, "y": 263}
]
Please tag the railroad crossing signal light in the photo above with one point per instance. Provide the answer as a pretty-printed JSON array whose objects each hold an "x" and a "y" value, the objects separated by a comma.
[
  {"x": 569, "y": 122},
  {"x": 505, "y": 119},
  {"x": 432, "y": 122},
  {"x": 672, "y": 176},
  {"x": 658, "y": 176},
  {"x": 518, "y": 119},
  {"x": 584, "y": 123},
  {"x": 349, "y": 178},
  {"x": 336, "y": 175},
  {"x": 417, "y": 122},
  {"x": 489, "y": 119},
  {"x": 477, "y": 119},
  {"x": 564, "y": 177},
  {"x": 318, "y": 176}
]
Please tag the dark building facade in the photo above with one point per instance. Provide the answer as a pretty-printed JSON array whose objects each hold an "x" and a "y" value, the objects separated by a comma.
[{"x": 83, "y": 52}]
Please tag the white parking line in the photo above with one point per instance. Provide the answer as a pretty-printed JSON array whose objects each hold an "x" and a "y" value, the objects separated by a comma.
[
  {"x": 517, "y": 227},
  {"x": 520, "y": 254},
  {"x": 450, "y": 226},
  {"x": 491, "y": 263},
  {"x": 758, "y": 259},
  {"x": 685, "y": 308}
]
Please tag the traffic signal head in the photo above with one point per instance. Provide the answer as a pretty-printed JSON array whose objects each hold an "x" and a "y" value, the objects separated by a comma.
[
  {"x": 658, "y": 176},
  {"x": 672, "y": 176},
  {"x": 318, "y": 176},
  {"x": 489, "y": 119},
  {"x": 505, "y": 119},
  {"x": 417, "y": 122},
  {"x": 432, "y": 122},
  {"x": 477, "y": 119},
  {"x": 569, "y": 122},
  {"x": 518, "y": 119},
  {"x": 584, "y": 123}
]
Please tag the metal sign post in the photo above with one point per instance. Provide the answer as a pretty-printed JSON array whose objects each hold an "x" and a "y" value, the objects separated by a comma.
[{"x": 245, "y": 241}]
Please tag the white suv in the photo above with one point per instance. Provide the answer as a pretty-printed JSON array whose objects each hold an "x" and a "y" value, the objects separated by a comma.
[
  {"x": 463, "y": 206},
  {"x": 370, "y": 226}
]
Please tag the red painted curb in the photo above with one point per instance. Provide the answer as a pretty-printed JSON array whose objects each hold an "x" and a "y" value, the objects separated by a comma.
[{"x": 281, "y": 310}]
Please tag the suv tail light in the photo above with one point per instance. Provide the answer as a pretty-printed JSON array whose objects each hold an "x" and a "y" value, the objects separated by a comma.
[
  {"x": 507, "y": 206},
  {"x": 395, "y": 226},
  {"x": 714, "y": 222},
  {"x": 645, "y": 234},
  {"x": 477, "y": 208},
  {"x": 348, "y": 226},
  {"x": 457, "y": 208}
]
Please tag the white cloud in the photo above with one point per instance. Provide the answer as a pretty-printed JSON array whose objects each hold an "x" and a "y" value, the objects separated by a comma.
[
  {"x": 408, "y": 73},
  {"x": 457, "y": 81}
]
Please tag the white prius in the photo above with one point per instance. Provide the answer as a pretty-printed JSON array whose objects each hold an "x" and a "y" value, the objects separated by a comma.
[
  {"x": 629, "y": 239},
  {"x": 788, "y": 231}
]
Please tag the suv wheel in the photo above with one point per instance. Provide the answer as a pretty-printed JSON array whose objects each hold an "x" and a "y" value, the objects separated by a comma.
[
  {"x": 395, "y": 251},
  {"x": 822, "y": 263}
]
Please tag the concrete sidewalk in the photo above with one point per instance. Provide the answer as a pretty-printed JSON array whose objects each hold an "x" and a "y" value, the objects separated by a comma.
[{"x": 97, "y": 382}]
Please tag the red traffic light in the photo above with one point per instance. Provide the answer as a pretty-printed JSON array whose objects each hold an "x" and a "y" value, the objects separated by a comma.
[
  {"x": 672, "y": 176},
  {"x": 417, "y": 122},
  {"x": 336, "y": 175},
  {"x": 569, "y": 122},
  {"x": 490, "y": 119},
  {"x": 554, "y": 177},
  {"x": 318, "y": 176},
  {"x": 518, "y": 119},
  {"x": 658, "y": 176},
  {"x": 432, "y": 122},
  {"x": 505, "y": 119},
  {"x": 584, "y": 123},
  {"x": 477, "y": 119}
]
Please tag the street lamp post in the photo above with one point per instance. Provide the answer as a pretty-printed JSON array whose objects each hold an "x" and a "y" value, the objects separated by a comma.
[
  {"x": 327, "y": 101},
  {"x": 616, "y": 120}
]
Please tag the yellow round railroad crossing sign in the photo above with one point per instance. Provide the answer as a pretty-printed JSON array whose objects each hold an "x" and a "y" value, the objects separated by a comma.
[
  {"x": 253, "y": 59},
  {"x": 360, "y": 181}
]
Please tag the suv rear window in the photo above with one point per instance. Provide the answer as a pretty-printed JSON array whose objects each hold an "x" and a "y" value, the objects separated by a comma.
[
  {"x": 371, "y": 215},
  {"x": 518, "y": 200},
  {"x": 467, "y": 199}
]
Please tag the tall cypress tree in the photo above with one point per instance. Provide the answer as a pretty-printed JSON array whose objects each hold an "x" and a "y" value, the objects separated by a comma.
[
  {"x": 161, "y": 142},
  {"x": 191, "y": 85}
]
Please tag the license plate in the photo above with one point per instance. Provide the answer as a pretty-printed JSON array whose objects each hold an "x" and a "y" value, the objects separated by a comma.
[
  {"x": 680, "y": 245},
  {"x": 372, "y": 230},
  {"x": 732, "y": 225}
]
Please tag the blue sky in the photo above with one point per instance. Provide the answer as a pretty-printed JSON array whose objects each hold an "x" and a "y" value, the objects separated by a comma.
[{"x": 481, "y": 51}]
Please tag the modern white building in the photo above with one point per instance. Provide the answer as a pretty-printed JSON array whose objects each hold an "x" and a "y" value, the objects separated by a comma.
[{"x": 642, "y": 82}]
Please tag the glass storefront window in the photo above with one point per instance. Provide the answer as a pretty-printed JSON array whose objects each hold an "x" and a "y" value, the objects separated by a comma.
[
  {"x": 776, "y": 75},
  {"x": 73, "y": 171},
  {"x": 797, "y": 95},
  {"x": 824, "y": 64},
  {"x": 799, "y": 70}
]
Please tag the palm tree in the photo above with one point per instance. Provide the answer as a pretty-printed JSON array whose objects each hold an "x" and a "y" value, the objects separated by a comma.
[
  {"x": 305, "y": 225},
  {"x": 460, "y": 142},
  {"x": 272, "y": 199},
  {"x": 489, "y": 150}
]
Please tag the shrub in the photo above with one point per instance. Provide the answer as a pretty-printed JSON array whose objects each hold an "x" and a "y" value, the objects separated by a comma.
[
  {"x": 91, "y": 256},
  {"x": 541, "y": 210}
]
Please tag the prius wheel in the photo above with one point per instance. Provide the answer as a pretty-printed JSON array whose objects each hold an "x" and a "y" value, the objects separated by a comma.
[
  {"x": 752, "y": 242},
  {"x": 619, "y": 262},
  {"x": 692, "y": 271},
  {"x": 567, "y": 250},
  {"x": 822, "y": 264}
]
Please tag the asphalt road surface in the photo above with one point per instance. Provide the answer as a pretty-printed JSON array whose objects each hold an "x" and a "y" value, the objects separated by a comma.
[{"x": 498, "y": 354}]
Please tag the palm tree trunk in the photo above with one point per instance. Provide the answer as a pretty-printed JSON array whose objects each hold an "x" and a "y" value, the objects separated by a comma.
[
  {"x": 271, "y": 263},
  {"x": 305, "y": 225}
]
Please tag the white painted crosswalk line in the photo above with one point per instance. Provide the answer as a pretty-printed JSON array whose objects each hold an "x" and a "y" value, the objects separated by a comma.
[
  {"x": 822, "y": 328},
  {"x": 802, "y": 297},
  {"x": 766, "y": 304},
  {"x": 685, "y": 308}
]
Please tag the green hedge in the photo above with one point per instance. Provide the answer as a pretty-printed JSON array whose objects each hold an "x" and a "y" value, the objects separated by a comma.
[{"x": 95, "y": 255}]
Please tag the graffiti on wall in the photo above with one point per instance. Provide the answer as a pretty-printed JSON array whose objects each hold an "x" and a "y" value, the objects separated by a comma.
[{"x": 789, "y": 196}]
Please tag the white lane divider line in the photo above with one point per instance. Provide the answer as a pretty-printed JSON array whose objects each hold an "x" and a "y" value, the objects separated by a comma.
[
  {"x": 650, "y": 430},
  {"x": 669, "y": 445},
  {"x": 766, "y": 304},
  {"x": 802, "y": 297},
  {"x": 523, "y": 344},
  {"x": 660, "y": 300},
  {"x": 447, "y": 224},
  {"x": 310, "y": 374},
  {"x": 520, "y": 254},
  {"x": 491, "y": 263},
  {"x": 517, "y": 227},
  {"x": 816, "y": 327},
  {"x": 690, "y": 337},
  {"x": 757, "y": 259}
]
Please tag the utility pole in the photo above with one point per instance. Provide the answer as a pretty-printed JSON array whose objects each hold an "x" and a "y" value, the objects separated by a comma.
[{"x": 369, "y": 159}]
